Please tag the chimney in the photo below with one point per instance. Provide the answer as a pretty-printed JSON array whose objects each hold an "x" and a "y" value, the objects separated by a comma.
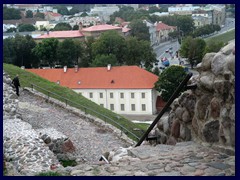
[
  {"x": 109, "y": 67},
  {"x": 65, "y": 69},
  {"x": 76, "y": 68}
]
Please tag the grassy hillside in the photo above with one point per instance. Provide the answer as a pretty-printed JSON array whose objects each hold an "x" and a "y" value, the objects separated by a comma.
[
  {"x": 78, "y": 101},
  {"x": 228, "y": 36}
]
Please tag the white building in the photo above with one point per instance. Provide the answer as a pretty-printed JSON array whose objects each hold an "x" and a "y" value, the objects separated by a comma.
[
  {"x": 104, "y": 11},
  {"x": 182, "y": 9},
  {"x": 152, "y": 32},
  {"x": 122, "y": 89}
]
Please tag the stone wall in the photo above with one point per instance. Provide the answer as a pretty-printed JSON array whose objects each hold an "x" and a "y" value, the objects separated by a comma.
[
  {"x": 206, "y": 114},
  {"x": 25, "y": 153}
]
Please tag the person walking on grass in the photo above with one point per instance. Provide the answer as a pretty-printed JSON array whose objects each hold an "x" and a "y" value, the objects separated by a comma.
[{"x": 16, "y": 84}]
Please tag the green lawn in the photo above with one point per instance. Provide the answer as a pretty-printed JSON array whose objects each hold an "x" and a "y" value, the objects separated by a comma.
[
  {"x": 78, "y": 101},
  {"x": 228, "y": 36}
]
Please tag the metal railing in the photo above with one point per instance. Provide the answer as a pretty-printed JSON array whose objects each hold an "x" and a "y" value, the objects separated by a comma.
[{"x": 86, "y": 109}]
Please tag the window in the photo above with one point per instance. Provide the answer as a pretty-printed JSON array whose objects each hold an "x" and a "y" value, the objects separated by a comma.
[
  {"x": 90, "y": 95},
  {"x": 112, "y": 107},
  {"x": 122, "y": 95},
  {"x": 132, "y": 95},
  {"x": 122, "y": 107},
  {"x": 143, "y": 95},
  {"x": 102, "y": 105},
  {"x": 133, "y": 107},
  {"x": 111, "y": 95},
  {"x": 143, "y": 107},
  {"x": 101, "y": 95}
]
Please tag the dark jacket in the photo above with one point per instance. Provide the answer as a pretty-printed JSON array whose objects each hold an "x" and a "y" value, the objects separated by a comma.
[{"x": 15, "y": 82}]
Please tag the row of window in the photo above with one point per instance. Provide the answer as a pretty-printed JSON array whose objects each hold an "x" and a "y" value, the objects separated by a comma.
[
  {"x": 122, "y": 107},
  {"x": 121, "y": 95}
]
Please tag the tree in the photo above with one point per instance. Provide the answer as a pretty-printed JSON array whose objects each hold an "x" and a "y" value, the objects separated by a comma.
[
  {"x": 169, "y": 80},
  {"x": 26, "y": 27},
  {"x": 110, "y": 42},
  {"x": 156, "y": 71},
  {"x": 139, "y": 30},
  {"x": 67, "y": 53},
  {"x": 87, "y": 52},
  {"x": 84, "y": 14},
  {"x": 11, "y": 13},
  {"x": 193, "y": 49},
  {"x": 102, "y": 60},
  {"x": 46, "y": 51},
  {"x": 75, "y": 27},
  {"x": 73, "y": 11},
  {"x": 9, "y": 53},
  {"x": 62, "y": 27},
  {"x": 29, "y": 14},
  {"x": 39, "y": 15},
  {"x": 17, "y": 51},
  {"x": 62, "y": 9}
]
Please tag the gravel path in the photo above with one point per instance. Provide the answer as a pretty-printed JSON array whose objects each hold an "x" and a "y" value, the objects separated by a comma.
[{"x": 90, "y": 141}]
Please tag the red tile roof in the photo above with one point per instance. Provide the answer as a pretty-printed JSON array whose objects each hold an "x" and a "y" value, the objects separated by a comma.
[
  {"x": 162, "y": 26},
  {"x": 53, "y": 14},
  {"x": 102, "y": 27},
  {"x": 119, "y": 77},
  {"x": 61, "y": 34}
]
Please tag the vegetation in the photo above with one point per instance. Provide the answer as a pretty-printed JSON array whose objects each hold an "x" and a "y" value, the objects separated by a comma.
[
  {"x": 49, "y": 173},
  {"x": 169, "y": 80},
  {"x": 139, "y": 30},
  {"x": 89, "y": 107},
  {"x": 39, "y": 15},
  {"x": 225, "y": 37},
  {"x": 11, "y": 13},
  {"x": 66, "y": 163},
  {"x": 193, "y": 49},
  {"x": 26, "y": 28},
  {"x": 62, "y": 27},
  {"x": 206, "y": 30},
  {"x": 29, "y": 14}
]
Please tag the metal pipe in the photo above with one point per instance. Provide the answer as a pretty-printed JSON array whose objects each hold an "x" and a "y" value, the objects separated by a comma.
[{"x": 171, "y": 99}]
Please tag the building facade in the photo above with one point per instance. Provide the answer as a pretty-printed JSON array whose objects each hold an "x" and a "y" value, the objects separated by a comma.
[{"x": 121, "y": 89}]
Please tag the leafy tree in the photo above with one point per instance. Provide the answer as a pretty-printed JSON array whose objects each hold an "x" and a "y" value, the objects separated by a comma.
[
  {"x": 26, "y": 27},
  {"x": 156, "y": 71},
  {"x": 9, "y": 53},
  {"x": 29, "y": 14},
  {"x": 62, "y": 27},
  {"x": 75, "y": 27},
  {"x": 62, "y": 9},
  {"x": 12, "y": 30},
  {"x": 139, "y": 52},
  {"x": 169, "y": 80},
  {"x": 84, "y": 14},
  {"x": 193, "y": 49},
  {"x": 139, "y": 30},
  {"x": 73, "y": 11},
  {"x": 17, "y": 51},
  {"x": 46, "y": 51},
  {"x": 173, "y": 34},
  {"x": 87, "y": 52},
  {"x": 11, "y": 13},
  {"x": 102, "y": 60},
  {"x": 39, "y": 15},
  {"x": 213, "y": 46},
  {"x": 108, "y": 43},
  {"x": 67, "y": 53}
]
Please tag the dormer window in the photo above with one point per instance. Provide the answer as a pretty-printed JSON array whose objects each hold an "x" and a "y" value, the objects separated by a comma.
[
  {"x": 58, "y": 82},
  {"x": 112, "y": 81},
  {"x": 79, "y": 82}
]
